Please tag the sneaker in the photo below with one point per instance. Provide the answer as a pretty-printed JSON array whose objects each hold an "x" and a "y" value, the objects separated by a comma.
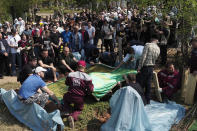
[{"x": 71, "y": 122}]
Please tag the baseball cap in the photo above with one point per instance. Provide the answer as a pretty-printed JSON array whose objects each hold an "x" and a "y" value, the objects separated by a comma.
[
  {"x": 82, "y": 63},
  {"x": 40, "y": 69}
]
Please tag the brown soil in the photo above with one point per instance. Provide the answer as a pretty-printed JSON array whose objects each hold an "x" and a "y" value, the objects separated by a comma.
[{"x": 8, "y": 79}]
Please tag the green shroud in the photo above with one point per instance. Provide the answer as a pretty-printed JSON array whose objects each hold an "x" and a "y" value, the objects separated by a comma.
[{"x": 103, "y": 78}]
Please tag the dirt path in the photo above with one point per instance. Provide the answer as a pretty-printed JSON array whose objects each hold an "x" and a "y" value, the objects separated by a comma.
[{"x": 8, "y": 79}]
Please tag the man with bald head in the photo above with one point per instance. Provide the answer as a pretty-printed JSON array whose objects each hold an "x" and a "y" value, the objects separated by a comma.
[{"x": 67, "y": 62}]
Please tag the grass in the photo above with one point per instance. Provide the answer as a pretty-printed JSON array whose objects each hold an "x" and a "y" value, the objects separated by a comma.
[{"x": 88, "y": 119}]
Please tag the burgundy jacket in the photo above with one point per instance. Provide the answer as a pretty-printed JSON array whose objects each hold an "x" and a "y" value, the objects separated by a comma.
[
  {"x": 79, "y": 83},
  {"x": 169, "y": 82}
]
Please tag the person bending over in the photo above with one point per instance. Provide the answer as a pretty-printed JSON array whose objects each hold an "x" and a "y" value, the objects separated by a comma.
[
  {"x": 131, "y": 81},
  {"x": 80, "y": 85},
  {"x": 67, "y": 62},
  {"x": 128, "y": 59},
  {"x": 169, "y": 80}
]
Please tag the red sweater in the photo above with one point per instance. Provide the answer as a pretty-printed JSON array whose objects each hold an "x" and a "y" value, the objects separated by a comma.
[{"x": 169, "y": 82}]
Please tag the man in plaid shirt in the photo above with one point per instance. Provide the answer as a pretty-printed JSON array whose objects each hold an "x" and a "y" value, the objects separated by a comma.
[{"x": 149, "y": 56}]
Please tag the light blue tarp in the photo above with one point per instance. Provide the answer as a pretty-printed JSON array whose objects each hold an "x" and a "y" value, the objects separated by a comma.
[
  {"x": 162, "y": 115},
  {"x": 129, "y": 114},
  {"x": 32, "y": 115}
]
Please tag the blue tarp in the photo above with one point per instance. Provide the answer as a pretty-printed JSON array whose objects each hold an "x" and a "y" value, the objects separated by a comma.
[
  {"x": 32, "y": 115},
  {"x": 162, "y": 115},
  {"x": 129, "y": 114}
]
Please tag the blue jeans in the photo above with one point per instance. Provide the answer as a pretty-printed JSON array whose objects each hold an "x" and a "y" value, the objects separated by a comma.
[
  {"x": 15, "y": 57},
  {"x": 145, "y": 77},
  {"x": 37, "y": 51}
]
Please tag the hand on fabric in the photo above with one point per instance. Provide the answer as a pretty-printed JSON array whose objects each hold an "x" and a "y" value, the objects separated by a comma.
[
  {"x": 160, "y": 90},
  {"x": 119, "y": 84}
]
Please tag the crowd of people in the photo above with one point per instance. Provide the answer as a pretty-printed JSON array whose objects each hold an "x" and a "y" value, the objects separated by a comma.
[{"x": 131, "y": 39}]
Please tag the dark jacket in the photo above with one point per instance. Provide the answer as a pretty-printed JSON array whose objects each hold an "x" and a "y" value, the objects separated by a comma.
[
  {"x": 85, "y": 37},
  {"x": 193, "y": 61},
  {"x": 140, "y": 91}
]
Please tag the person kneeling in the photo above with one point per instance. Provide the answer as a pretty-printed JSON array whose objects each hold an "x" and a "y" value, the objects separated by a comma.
[
  {"x": 31, "y": 89},
  {"x": 168, "y": 81},
  {"x": 80, "y": 85}
]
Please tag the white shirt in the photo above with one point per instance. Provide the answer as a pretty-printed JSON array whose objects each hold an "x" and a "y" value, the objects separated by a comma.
[
  {"x": 138, "y": 49},
  {"x": 126, "y": 58},
  {"x": 90, "y": 31},
  {"x": 60, "y": 29},
  {"x": 107, "y": 29},
  {"x": 13, "y": 41}
]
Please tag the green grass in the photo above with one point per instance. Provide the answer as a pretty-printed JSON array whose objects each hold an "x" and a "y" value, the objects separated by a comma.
[{"x": 88, "y": 119}]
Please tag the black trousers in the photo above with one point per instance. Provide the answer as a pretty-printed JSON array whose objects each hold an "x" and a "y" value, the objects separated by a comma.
[
  {"x": 2, "y": 64},
  {"x": 163, "y": 53},
  {"x": 108, "y": 44},
  {"x": 64, "y": 70},
  {"x": 144, "y": 79}
]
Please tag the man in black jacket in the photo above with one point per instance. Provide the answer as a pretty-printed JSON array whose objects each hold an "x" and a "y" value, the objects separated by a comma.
[
  {"x": 131, "y": 81},
  {"x": 85, "y": 38},
  {"x": 3, "y": 55},
  {"x": 27, "y": 69}
]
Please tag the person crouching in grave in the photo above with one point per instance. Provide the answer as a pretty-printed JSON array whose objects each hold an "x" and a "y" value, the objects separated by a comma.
[
  {"x": 80, "y": 85},
  {"x": 169, "y": 80}
]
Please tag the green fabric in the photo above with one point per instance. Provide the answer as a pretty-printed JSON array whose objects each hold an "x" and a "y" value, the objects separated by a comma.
[
  {"x": 59, "y": 88},
  {"x": 103, "y": 78},
  {"x": 193, "y": 127},
  {"x": 104, "y": 82}
]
